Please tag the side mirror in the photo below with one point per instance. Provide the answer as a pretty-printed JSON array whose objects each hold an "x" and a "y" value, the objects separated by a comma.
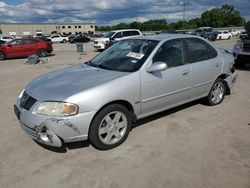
[{"x": 157, "y": 66}]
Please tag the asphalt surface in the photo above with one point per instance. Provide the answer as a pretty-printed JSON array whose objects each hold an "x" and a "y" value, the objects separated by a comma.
[{"x": 191, "y": 146}]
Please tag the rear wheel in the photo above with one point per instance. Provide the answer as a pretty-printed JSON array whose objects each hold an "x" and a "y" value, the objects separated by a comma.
[
  {"x": 110, "y": 127},
  {"x": 2, "y": 56},
  {"x": 42, "y": 53},
  {"x": 64, "y": 41},
  {"x": 217, "y": 93},
  {"x": 229, "y": 37}
]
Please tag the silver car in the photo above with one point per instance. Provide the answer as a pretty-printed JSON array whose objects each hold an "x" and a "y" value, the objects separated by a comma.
[{"x": 133, "y": 79}]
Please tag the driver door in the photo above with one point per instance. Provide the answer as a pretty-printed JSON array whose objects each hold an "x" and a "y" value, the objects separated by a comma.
[
  {"x": 15, "y": 48},
  {"x": 165, "y": 89}
]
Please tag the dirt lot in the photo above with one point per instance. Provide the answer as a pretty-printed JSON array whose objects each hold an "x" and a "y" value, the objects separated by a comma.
[{"x": 191, "y": 146}]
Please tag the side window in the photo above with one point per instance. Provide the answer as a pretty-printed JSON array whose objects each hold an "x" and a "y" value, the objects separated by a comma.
[
  {"x": 135, "y": 33},
  {"x": 127, "y": 33},
  {"x": 118, "y": 35},
  {"x": 16, "y": 42},
  {"x": 171, "y": 52},
  {"x": 30, "y": 41},
  {"x": 199, "y": 50}
]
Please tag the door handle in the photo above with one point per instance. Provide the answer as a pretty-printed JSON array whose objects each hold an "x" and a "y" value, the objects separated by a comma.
[
  {"x": 217, "y": 64},
  {"x": 185, "y": 72}
]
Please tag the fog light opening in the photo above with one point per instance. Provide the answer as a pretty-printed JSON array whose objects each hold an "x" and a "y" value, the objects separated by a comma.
[{"x": 44, "y": 135}]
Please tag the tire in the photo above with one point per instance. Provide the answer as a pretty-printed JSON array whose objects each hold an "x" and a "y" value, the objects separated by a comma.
[
  {"x": 229, "y": 37},
  {"x": 220, "y": 38},
  {"x": 42, "y": 53},
  {"x": 64, "y": 41},
  {"x": 110, "y": 127},
  {"x": 2, "y": 56},
  {"x": 217, "y": 93}
]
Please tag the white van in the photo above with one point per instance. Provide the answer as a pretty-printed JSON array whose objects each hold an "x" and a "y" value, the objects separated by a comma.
[{"x": 104, "y": 42}]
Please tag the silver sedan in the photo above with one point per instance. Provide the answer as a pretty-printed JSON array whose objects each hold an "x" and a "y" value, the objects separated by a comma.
[{"x": 133, "y": 79}]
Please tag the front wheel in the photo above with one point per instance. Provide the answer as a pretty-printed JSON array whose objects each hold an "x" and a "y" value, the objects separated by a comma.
[
  {"x": 42, "y": 53},
  {"x": 110, "y": 127},
  {"x": 2, "y": 56},
  {"x": 217, "y": 93}
]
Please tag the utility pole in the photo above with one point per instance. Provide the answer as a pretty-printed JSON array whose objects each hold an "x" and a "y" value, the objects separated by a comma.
[{"x": 183, "y": 3}]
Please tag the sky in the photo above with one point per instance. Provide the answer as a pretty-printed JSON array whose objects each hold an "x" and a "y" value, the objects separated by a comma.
[{"x": 109, "y": 12}]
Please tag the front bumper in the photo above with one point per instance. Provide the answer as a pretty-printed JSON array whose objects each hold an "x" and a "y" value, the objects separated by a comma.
[
  {"x": 99, "y": 45},
  {"x": 53, "y": 131}
]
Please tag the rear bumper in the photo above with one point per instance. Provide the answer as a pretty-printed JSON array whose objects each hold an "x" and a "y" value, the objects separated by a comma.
[{"x": 231, "y": 79}]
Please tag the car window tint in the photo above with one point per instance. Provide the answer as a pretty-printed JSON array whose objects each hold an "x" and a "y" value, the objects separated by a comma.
[
  {"x": 127, "y": 33},
  {"x": 118, "y": 35},
  {"x": 199, "y": 50},
  {"x": 16, "y": 42},
  {"x": 135, "y": 33},
  {"x": 29, "y": 41},
  {"x": 171, "y": 52}
]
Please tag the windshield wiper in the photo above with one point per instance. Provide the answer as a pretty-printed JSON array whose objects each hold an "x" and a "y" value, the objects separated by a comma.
[{"x": 96, "y": 65}]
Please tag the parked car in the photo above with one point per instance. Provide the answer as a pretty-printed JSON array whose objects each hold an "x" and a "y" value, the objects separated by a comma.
[
  {"x": 24, "y": 47},
  {"x": 117, "y": 35},
  {"x": 243, "y": 34},
  {"x": 235, "y": 32},
  {"x": 58, "y": 38},
  {"x": 80, "y": 38},
  {"x": 2, "y": 42},
  {"x": 132, "y": 79},
  {"x": 241, "y": 52},
  {"x": 6, "y": 38},
  {"x": 224, "y": 35}
]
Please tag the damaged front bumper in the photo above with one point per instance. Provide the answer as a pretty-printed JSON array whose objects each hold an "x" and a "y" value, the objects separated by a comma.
[{"x": 53, "y": 131}]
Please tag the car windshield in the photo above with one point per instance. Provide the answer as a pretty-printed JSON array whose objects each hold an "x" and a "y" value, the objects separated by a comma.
[
  {"x": 108, "y": 35},
  {"x": 125, "y": 56}
]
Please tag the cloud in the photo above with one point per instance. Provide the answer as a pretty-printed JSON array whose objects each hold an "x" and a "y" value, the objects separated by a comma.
[{"x": 109, "y": 11}]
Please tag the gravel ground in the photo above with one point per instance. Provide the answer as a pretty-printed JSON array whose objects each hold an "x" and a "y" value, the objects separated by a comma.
[{"x": 191, "y": 146}]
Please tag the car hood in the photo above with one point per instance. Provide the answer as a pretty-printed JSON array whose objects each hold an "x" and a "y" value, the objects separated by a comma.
[{"x": 61, "y": 84}]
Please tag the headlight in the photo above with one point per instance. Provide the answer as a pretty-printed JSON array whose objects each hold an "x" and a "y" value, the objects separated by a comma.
[
  {"x": 57, "y": 109},
  {"x": 21, "y": 94}
]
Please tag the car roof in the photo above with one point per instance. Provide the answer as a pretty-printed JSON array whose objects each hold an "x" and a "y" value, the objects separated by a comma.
[
  {"x": 165, "y": 36},
  {"x": 125, "y": 30}
]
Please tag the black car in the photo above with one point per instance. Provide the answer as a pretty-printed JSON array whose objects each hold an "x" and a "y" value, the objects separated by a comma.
[{"x": 80, "y": 38}]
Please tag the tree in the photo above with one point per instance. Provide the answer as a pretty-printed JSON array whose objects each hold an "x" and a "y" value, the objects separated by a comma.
[
  {"x": 222, "y": 17},
  {"x": 247, "y": 28}
]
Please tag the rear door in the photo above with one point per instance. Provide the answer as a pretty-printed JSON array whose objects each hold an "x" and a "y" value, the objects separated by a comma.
[
  {"x": 206, "y": 66},
  {"x": 30, "y": 46}
]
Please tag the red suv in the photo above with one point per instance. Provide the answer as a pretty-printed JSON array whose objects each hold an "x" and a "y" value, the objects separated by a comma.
[{"x": 24, "y": 47}]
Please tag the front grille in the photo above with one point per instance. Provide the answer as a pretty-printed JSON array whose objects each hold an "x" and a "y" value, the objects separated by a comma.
[
  {"x": 32, "y": 132},
  {"x": 246, "y": 47},
  {"x": 27, "y": 101},
  {"x": 95, "y": 42}
]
